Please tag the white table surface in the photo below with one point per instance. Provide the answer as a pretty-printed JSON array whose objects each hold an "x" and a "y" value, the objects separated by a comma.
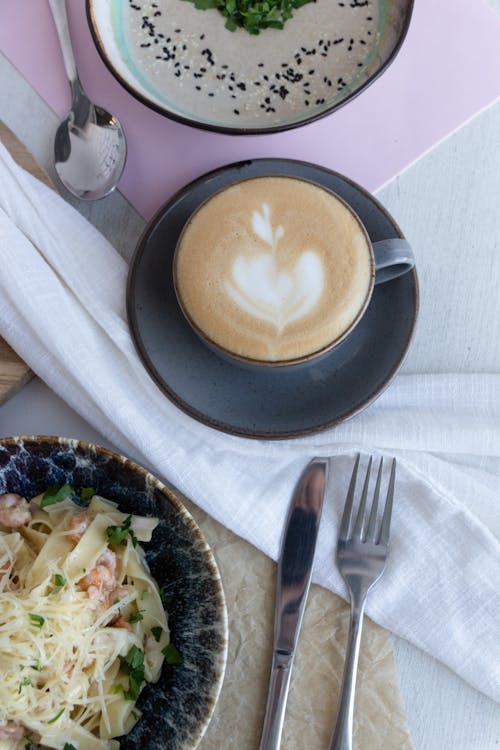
[{"x": 448, "y": 205}]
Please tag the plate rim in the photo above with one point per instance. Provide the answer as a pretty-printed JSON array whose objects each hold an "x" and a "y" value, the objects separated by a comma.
[
  {"x": 185, "y": 406},
  {"x": 179, "y": 506},
  {"x": 228, "y": 130}
]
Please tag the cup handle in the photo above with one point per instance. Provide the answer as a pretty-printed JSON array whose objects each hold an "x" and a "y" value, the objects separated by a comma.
[{"x": 393, "y": 258}]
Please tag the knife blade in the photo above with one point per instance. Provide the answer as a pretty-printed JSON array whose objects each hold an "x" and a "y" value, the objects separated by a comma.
[{"x": 294, "y": 573}]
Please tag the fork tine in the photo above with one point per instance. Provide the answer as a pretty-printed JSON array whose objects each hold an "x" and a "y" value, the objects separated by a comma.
[
  {"x": 370, "y": 534},
  {"x": 346, "y": 516},
  {"x": 386, "y": 519},
  {"x": 360, "y": 519}
]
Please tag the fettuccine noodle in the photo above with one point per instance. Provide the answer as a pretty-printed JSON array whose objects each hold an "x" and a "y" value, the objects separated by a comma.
[{"x": 82, "y": 624}]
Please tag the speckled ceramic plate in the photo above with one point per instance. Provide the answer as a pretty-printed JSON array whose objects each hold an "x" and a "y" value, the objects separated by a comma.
[
  {"x": 269, "y": 403},
  {"x": 178, "y": 708},
  {"x": 183, "y": 63}
]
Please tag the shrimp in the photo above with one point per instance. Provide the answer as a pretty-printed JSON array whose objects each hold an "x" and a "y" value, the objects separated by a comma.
[
  {"x": 120, "y": 622},
  {"x": 14, "y": 510},
  {"x": 100, "y": 582},
  {"x": 12, "y": 731},
  {"x": 78, "y": 525}
]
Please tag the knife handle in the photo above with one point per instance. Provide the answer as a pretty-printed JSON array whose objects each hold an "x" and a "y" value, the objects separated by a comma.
[{"x": 279, "y": 682}]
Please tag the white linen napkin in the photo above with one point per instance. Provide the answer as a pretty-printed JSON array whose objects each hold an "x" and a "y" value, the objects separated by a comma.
[{"x": 62, "y": 308}]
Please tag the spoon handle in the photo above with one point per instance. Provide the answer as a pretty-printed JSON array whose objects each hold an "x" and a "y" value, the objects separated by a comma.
[{"x": 59, "y": 13}]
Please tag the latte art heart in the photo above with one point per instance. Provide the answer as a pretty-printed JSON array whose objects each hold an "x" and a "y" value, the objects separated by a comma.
[
  {"x": 273, "y": 269},
  {"x": 261, "y": 289}
]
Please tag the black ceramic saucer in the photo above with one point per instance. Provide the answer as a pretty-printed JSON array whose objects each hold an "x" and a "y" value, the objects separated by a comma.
[{"x": 278, "y": 403}]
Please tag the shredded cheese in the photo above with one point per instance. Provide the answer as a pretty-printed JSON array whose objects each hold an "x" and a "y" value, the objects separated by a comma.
[{"x": 62, "y": 647}]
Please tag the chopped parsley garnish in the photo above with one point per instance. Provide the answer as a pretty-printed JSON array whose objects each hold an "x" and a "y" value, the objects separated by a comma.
[
  {"x": 133, "y": 666},
  {"x": 157, "y": 631},
  {"x": 38, "y": 666},
  {"x": 69, "y": 746},
  {"x": 172, "y": 655},
  {"x": 117, "y": 534},
  {"x": 253, "y": 15},
  {"x": 36, "y": 620},
  {"x": 23, "y": 683},
  {"x": 56, "y": 493},
  {"x": 87, "y": 493},
  {"x": 59, "y": 580},
  {"x": 56, "y": 717},
  {"x": 136, "y": 617},
  {"x": 166, "y": 599}
]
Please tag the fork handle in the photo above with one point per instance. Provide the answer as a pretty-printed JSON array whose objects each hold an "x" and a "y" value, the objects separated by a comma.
[{"x": 342, "y": 732}]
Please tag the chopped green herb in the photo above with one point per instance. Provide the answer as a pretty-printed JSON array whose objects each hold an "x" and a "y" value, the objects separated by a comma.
[
  {"x": 69, "y": 746},
  {"x": 38, "y": 666},
  {"x": 37, "y": 620},
  {"x": 117, "y": 601},
  {"x": 23, "y": 683},
  {"x": 253, "y": 15},
  {"x": 136, "y": 617},
  {"x": 144, "y": 594},
  {"x": 21, "y": 667},
  {"x": 117, "y": 534},
  {"x": 56, "y": 717},
  {"x": 133, "y": 666},
  {"x": 87, "y": 493},
  {"x": 166, "y": 599},
  {"x": 157, "y": 631},
  {"x": 171, "y": 654},
  {"x": 56, "y": 493},
  {"x": 60, "y": 580}
]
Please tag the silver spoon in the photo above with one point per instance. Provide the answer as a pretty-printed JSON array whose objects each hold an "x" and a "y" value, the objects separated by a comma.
[{"x": 89, "y": 147}]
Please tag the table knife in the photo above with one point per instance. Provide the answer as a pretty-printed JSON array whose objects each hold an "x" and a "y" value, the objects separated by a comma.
[{"x": 293, "y": 580}]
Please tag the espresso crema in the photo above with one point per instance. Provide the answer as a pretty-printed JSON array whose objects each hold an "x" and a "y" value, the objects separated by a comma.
[{"x": 273, "y": 269}]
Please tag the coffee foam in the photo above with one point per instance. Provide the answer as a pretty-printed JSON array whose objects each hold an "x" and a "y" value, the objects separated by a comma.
[{"x": 273, "y": 269}]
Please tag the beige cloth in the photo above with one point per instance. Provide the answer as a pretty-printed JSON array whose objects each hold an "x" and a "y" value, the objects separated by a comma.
[{"x": 249, "y": 582}]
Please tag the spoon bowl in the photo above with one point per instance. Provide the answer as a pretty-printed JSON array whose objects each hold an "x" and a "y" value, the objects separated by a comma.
[
  {"x": 89, "y": 159},
  {"x": 90, "y": 147}
]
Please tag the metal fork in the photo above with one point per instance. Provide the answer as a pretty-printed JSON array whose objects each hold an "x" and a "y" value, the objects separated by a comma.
[{"x": 361, "y": 556}]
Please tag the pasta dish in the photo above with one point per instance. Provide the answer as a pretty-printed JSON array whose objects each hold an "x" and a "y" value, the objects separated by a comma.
[{"x": 82, "y": 623}]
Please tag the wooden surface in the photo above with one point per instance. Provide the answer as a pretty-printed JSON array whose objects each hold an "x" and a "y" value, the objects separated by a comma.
[{"x": 14, "y": 373}]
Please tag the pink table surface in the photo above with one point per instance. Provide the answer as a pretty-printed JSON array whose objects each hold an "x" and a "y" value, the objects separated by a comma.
[{"x": 446, "y": 72}]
